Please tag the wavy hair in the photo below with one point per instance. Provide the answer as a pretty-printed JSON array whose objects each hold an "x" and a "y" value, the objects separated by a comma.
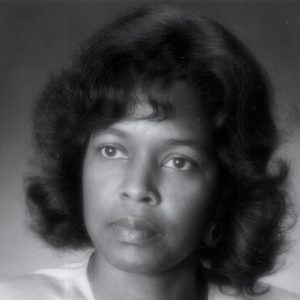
[{"x": 96, "y": 91}]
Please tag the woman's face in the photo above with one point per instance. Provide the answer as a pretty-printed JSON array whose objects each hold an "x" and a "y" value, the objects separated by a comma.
[{"x": 146, "y": 185}]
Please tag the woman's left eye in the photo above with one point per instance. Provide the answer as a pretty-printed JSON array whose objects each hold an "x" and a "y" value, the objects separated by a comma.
[
  {"x": 112, "y": 152},
  {"x": 180, "y": 164}
]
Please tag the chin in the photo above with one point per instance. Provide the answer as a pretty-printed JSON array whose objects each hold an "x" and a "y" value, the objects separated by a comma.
[{"x": 139, "y": 261}]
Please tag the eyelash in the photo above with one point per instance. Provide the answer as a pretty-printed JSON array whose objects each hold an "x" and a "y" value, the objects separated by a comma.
[
  {"x": 188, "y": 164},
  {"x": 120, "y": 154}
]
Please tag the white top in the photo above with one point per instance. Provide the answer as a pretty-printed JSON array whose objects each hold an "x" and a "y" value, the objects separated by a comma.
[
  {"x": 67, "y": 282},
  {"x": 70, "y": 282}
]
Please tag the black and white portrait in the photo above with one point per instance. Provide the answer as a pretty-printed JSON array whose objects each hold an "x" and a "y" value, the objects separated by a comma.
[{"x": 149, "y": 150}]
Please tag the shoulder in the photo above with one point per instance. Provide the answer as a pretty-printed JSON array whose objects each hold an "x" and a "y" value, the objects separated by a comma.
[
  {"x": 273, "y": 293},
  {"x": 65, "y": 282},
  {"x": 32, "y": 286}
]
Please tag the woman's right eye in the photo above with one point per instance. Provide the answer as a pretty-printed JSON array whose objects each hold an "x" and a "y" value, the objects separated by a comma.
[{"x": 113, "y": 152}]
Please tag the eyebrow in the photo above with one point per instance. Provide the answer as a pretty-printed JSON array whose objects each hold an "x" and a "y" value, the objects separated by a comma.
[
  {"x": 198, "y": 144},
  {"x": 111, "y": 130},
  {"x": 188, "y": 143}
]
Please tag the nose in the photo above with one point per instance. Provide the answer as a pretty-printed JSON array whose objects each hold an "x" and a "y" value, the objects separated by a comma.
[{"x": 139, "y": 184}]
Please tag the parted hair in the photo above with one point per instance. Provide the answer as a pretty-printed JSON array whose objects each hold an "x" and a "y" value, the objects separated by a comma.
[{"x": 245, "y": 231}]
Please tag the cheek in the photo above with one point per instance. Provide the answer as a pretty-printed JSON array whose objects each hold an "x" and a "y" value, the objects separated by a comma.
[
  {"x": 99, "y": 193},
  {"x": 187, "y": 207},
  {"x": 188, "y": 194}
]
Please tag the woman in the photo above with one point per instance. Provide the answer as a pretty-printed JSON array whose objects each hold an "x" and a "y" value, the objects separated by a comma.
[{"x": 154, "y": 148}]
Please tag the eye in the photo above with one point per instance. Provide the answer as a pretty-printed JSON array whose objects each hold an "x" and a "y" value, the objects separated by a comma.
[
  {"x": 112, "y": 152},
  {"x": 180, "y": 164}
]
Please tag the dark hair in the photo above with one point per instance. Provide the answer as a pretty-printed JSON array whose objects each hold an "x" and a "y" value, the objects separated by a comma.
[{"x": 97, "y": 90}]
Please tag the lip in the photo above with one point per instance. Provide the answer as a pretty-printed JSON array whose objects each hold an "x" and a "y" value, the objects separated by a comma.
[{"x": 135, "y": 230}]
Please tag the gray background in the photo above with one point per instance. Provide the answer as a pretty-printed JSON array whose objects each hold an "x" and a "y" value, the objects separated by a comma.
[{"x": 37, "y": 38}]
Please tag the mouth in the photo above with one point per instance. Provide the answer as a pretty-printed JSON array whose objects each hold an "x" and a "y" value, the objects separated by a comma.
[{"x": 135, "y": 230}]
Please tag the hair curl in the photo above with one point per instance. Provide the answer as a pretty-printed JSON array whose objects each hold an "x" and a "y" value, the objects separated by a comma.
[{"x": 96, "y": 91}]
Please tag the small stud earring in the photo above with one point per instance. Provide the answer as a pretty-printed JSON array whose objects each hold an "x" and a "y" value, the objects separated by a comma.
[{"x": 213, "y": 235}]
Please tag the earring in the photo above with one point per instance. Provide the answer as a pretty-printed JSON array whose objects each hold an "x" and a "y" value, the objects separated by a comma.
[
  {"x": 213, "y": 235},
  {"x": 205, "y": 264}
]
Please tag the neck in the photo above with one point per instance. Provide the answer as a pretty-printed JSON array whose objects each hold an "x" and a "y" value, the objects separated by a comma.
[{"x": 110, "y": 283}]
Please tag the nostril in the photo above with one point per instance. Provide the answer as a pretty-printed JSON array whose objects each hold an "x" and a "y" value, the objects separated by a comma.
[
  {"x": 146, "y": 196},
  {"x": 136, "y": 196}
]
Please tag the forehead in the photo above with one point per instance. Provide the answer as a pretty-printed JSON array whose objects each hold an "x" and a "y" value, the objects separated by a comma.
[
  {"x": 185, "y": 119},
  {"x": 177, "y": 100}
]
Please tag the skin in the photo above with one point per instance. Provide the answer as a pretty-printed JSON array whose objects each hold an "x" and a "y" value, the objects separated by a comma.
[{"x": 146, "y": 185}]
